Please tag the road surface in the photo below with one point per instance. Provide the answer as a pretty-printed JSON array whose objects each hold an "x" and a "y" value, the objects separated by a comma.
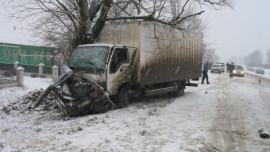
[{"x": 243, "y": 106}]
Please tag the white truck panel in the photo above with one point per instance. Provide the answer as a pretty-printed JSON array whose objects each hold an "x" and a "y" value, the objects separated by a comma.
[{"x": 164, "y": 53}]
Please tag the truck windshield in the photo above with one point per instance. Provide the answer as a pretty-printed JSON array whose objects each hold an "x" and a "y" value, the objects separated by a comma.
[{"x": 90, "y": 58}]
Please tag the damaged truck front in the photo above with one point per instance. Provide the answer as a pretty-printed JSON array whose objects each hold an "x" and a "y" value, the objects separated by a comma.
[
  {"x": 77, "y": 95},
  {"x": 134, "y": 59}
]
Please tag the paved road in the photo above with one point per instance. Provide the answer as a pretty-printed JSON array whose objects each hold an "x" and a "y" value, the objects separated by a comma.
[{"x": 243, "y": 107}]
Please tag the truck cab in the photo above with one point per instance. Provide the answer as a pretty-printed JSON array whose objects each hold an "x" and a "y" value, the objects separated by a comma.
[{"x": 109, "y": 65}]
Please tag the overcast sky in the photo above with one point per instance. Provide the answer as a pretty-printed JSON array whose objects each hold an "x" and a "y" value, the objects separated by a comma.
[
  {"x": 232, "y": 32},
  {"x": 239, "y": 31},
  {"x": 11, "y": 31}
]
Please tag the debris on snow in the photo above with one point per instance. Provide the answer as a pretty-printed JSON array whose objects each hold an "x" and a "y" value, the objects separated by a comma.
[
  {"x": 25, "y": 103},
  {"x": 264, "y": 133}
]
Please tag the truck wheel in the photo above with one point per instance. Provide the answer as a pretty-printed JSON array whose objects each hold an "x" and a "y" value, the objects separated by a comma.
[
  {"x": 180, "y": 91},
  {"x": 122, "y": 98}
]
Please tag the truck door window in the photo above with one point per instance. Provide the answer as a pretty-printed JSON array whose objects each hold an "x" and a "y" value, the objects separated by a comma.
[{"x": 120, "y": 56}]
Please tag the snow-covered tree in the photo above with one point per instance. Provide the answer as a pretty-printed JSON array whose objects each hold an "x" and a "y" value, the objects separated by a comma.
[
  {"x": 268, "y": 57},
  {"x": 209, "y": 54},
  {"x": 254, "y": 59}
]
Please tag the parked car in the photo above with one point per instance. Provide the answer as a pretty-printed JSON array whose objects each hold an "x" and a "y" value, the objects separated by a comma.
[
  {"x": 220, "y": 63},
  {"x": 238, "y": 71},
  {"x": 259, "y": 71},
  {"x": 223, "y": 68},
  {"x": 217, "y": 68}
]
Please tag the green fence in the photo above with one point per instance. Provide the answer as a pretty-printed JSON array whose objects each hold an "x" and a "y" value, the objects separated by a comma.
[
  {"x": 4, "y": 66},
  {"x": 47, "y": 70},
  {"x": 27, "y": 68}
]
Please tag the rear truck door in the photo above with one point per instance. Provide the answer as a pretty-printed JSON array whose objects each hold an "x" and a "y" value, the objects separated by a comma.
[{"x": 118, "y": 71}]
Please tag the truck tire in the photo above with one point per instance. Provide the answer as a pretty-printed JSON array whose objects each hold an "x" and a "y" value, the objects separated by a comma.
[
  {"x": 122, "y": 98},
  {"x": 180, "y": 91}
]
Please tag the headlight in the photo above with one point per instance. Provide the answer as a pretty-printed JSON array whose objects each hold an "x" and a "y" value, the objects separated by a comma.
[
  {"x": 242, "y": 72},
  {"x": 234, "y": 71}
]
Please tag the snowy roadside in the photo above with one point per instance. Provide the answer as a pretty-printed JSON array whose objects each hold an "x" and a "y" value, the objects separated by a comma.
[
  {"x": 31, "y": 84},
  {"x": 154, "y": 124},
  {"x": 204, "y": 119},
  {"x": 265, "y": 75}
]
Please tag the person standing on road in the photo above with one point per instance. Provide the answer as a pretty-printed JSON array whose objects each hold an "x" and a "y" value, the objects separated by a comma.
[
  {"x": 231, "y": 70},
  {"x": 205, "y": 75},
  {"x": 228, "y": 67}
]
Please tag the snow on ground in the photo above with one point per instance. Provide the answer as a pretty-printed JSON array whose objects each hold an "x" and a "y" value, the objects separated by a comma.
[
  {"x": 223, "y": 116},
  {"x": 265, "y": 75},
  {"x": 31, "y": 84}
]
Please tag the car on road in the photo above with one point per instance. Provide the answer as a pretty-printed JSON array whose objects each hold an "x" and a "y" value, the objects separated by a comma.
[
  {"x": 259, "y": 71},
  {"x": 220, "y": 63},
  {"x": 238, "y": 71},
  {"x": 217, "y": 68}
]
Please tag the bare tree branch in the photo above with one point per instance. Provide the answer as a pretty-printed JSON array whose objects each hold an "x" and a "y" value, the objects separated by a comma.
[{"x": 69, "y": 23}]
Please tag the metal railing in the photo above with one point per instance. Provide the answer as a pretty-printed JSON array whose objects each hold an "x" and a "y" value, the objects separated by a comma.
[
  {"x": 28, "y": 68},
  {"x": 7, "y": 73}
]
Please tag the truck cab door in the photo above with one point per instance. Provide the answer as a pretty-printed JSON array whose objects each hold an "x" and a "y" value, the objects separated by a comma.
[{"x": 118, "y": 71}]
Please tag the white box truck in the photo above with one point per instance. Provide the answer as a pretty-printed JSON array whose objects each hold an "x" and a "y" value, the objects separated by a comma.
[{"x": 140, "y": 58}]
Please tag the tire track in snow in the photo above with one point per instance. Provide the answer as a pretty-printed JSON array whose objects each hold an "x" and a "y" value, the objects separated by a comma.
[{"x": 227, "y": 130}]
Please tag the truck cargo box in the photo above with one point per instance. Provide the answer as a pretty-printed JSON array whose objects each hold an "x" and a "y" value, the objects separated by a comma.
[{"x": 164, "y": 53}]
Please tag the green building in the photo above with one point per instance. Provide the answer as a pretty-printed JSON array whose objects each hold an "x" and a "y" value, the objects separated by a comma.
[{"x": 29, "y": 57}]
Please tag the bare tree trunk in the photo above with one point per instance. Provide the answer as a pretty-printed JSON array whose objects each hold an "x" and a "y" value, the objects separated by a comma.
[
  {"x": 86, "y": 34},
  {"x": 101, "y": 20},
  {"x": 84, "y": 16}
]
